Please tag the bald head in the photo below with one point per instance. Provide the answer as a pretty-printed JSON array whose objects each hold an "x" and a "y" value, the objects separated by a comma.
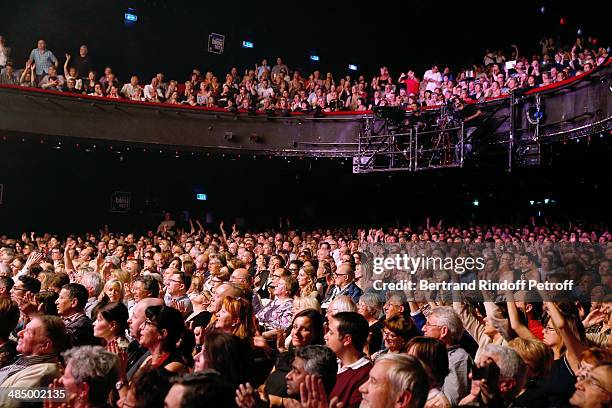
[
  {"x": 241, "y": 275},
  {"x": 344, "y": 275},
  {"x": 138, "y": 316},
  {"x": 223, "y": 290}
]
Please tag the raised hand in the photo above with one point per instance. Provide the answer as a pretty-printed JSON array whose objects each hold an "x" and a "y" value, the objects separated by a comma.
[
  {"x": 180, "y": 306},
  {"x": 594, "y": 317},
  {"x": 34, "y": 259},
  {"x": 260, "y": 341},
  {"x": 246, "y": 396},
  {"x": 100, "y": 259},
  {"x": 280, "y": 339},
  {"x": 29, "y": 304},
  {"x": 313, "y": 394},
  {"x": 113, "y": 347}
]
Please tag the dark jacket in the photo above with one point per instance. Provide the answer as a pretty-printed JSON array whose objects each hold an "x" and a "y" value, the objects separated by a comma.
[
  {"x": 351, "y": 290},
  {"x": 80, "y": 331}
]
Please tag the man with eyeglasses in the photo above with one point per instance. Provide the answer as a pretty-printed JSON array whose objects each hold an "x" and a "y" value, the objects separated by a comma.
[
  {"x": 264, "y": 280},
  {"x": 24, "y": 285},
  {"x": 595, "y": 390},
  {"x": 176, "y": 292},
  {"x": 294, "y": 267},
  {"x": 242, "y": 276},
  {"x": 444, "y": 324},
  {"x": 344, "y": 284}
]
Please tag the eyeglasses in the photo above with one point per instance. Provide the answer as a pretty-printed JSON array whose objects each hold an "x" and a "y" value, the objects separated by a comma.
[
  {"x": 589, "y": 380},
  {"x": 549, "y": 328},
  {"x": 427, "y": 324},
  {"x": 150, "y": 323},
  {"x": 175, "y": 281},
  {"x": 340, "y": 274},
  {"x": 389, "y": 334}
]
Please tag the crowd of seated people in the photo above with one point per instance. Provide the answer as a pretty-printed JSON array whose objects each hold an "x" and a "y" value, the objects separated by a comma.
[
  {"x": 279, "y": 89},
  {"x": 187, "y": 316}
]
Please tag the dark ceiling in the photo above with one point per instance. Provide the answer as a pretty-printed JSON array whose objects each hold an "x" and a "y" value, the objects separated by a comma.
[{"x": 171, "y": 36}]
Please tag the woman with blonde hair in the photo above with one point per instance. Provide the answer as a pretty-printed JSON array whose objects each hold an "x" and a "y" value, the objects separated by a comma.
[
  {"x": 113, "y": 292},
  {"x": 539, "y": 359},
  {"x": 305, "y": 302},
  {"x": 307, "y": 280},
  {"x": 197, "y": 285}
]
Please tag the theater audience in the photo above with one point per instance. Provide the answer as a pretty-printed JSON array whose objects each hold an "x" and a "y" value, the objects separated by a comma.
[{"x": 513, "y": 368}]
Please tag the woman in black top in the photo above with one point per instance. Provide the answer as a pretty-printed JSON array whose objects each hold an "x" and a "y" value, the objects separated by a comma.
[{"x": 565, "y": 335}]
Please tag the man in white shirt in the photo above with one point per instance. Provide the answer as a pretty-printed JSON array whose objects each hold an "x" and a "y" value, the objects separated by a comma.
[
  {"x": 4, "y": 52},
  {"x": 433, "y": 78}
]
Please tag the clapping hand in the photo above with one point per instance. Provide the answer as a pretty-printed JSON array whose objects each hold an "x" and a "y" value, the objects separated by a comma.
[
  {"x": 57, "y": 385},
  {"x": 113, "y": 347},
  {"x": 180, "y": 306},
  {"x": 313, "y": 394},
  {"x": 280, "y": 339}
]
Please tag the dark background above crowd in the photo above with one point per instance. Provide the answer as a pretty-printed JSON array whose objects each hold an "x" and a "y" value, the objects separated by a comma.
[
  {"x": 68, "y": 189},
  {"x": 171, "y": 35}
]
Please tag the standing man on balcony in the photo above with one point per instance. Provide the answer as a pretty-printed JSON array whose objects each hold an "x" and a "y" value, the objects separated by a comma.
[
  {"x": 4, "y": 53},
  {"x": 42, "y": 59}
]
